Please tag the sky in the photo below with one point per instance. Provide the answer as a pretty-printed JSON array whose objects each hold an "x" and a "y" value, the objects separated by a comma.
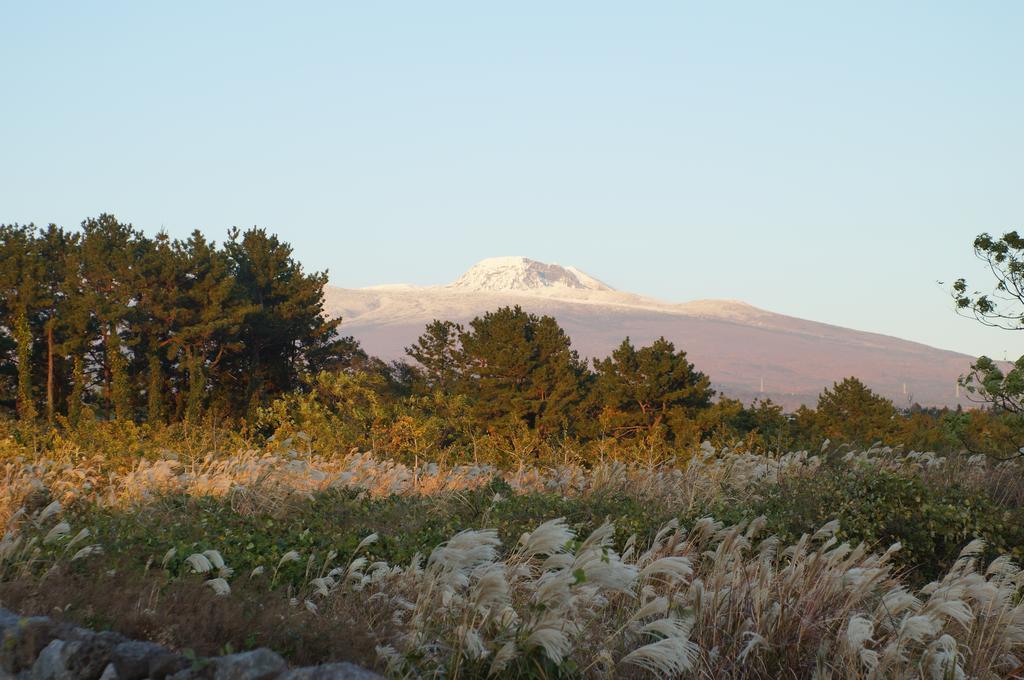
[{"x": 828, "y": 160}]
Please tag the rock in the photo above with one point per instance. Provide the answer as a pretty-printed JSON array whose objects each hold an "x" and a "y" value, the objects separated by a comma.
[
  {"x": 92, "y": 656},
  {"x": 133, "y": 660},
  {"x": 109, "y": 673},
  {"x": 7, "y": 620},
  {"x": 52, "y": 663},
  {"x": 331, "y": 671},
  {"x": 69, "y": 632},
  {"x": 23, "y": 642},
  {"x": 166, "y": 664},
  {"x": 259, "y": 664}
]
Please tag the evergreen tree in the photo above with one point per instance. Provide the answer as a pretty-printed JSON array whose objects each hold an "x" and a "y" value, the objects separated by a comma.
[
  {"x": 55, "y": 248},
  {"x": 76, "y": 400},
  {"x": 285, "y": 334},
  {"x": 522, "y": 370},
  {"x": 23, "y": 337},
  {"x": 850, "y": 413},
  {"x": 439, "y": 355},
  {"x": 19, "y": 283},
  {"x": 109, "y": 252},
  {"x": 638, "y": 391},
  {"x": 159, "y": 299},
  {"x": 207, "y": 322}
]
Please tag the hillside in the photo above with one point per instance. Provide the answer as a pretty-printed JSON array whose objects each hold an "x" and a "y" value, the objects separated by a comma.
[{"x": 747, "y": 351}]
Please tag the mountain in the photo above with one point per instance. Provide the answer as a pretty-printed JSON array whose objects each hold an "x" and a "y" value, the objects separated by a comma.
[{"x": 748, "y": 352}]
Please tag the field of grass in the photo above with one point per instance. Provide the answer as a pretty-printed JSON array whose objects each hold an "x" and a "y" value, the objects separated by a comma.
[{"x": 833, "y": 563}]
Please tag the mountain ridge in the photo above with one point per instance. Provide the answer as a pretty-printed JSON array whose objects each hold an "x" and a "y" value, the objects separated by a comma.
[{"x": 740, "y": 346}]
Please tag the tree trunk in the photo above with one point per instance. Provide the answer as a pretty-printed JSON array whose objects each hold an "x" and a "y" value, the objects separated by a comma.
[
  {"x": 23, "y": 337},
  {"x": 155, "y": 397},
  {"x": 49, "y": 371},
  {"x": 77, "y": 390}
]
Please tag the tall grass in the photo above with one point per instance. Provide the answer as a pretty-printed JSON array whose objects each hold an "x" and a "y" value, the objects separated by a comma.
[
  {"x": 713, "y": 602},
  {"x": 701, "y": 600}
]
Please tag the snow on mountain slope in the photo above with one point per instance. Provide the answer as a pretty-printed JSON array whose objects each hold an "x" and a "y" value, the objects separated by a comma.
[
  {"x": 747, "y": 351},
  {"x": 520, "y": 273}
]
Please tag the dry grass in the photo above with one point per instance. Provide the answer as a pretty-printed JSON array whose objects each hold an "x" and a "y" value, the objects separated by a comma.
[
  {"x": 713, "y": 602},
  {"x": 185, "y": 614},
  {"x": 702, "y": 601},
  {"x": 269, "y": 476}
]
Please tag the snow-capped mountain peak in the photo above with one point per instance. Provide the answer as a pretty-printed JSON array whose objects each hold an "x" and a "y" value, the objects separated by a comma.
[{"x": 521, "y": 273}]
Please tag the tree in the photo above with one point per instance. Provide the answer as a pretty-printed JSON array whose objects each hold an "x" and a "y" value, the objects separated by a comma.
[
  {"x": 159, "y": 300},
  {"x": 207, "y": 320},
  {"x": 521, "y": 370},
  {"x": 765, "y": 425},
  {"x": 285, "y": 334},
  {"x": 639, "y": 391},
  {"x": 19, "y": 289},
  {"x": 439, "y": 355},
  {"x": 1001, "y": 307},
  {"x": 111, "y": 318},
  {"x": 851, "y": 413},
  {"x": 55, "y": 247},
  {"x": 109, "y": 252}
]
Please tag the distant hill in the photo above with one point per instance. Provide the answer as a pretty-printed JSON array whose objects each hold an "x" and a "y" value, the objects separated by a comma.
[{"x": 747, "y": 352}]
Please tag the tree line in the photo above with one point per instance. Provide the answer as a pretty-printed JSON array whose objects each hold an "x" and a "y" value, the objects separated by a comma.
[{"x": 107, "y": 320}]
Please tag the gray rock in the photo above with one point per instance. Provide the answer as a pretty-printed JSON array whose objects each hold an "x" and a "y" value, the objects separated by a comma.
[
  {"x": 132, "y": 659},
  {"x": 92, "y": 656},
  {"x": 166, "y": 664},
  {"x": 109, "y": 673},
  {"x": 23, "y": 642},
  {"x": 8, "y": 619},
  {"x": 331, "y": 671},
  {"x": 69, "y": 632},
  {"x": 259, "y": 664},
  {"x": 52, "y": 663}
]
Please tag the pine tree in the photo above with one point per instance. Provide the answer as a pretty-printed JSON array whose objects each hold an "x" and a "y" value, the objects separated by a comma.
[
  {"x": 55, "y": 248},
  {"x": 208, "y": 320},
  {"x": 158, "y": 301},
  {"x": 23, "y": 336},
  {"x": 19, "y": 286},
  {"x": 154, "y": 390},
  {"x": 522, "y": 370},
  {"x": 76, "y": 400},
  {"x": 285, "y": 334},
  {"x": 439, "y": 355},
  {"x": 109, "y": 251},
  {"x": 639, "y": 391},
  {"x": 120, "y": 389},
  {"x": 851, "y": 413}
]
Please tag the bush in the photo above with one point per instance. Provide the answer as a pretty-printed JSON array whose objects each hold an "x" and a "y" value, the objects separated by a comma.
[{"x": 880, "y": 507}]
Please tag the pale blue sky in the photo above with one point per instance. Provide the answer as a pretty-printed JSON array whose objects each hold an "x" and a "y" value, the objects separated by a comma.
[{"x": 827, "y": 160}]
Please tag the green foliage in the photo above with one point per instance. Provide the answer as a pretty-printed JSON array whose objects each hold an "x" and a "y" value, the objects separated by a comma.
[
  {"x": 110, "y": 318},
  {"x": 439, "y": 354},
  {"x": 284, "y": 326},
  {"x": 879, "y": 507},
  {"x": 990, "y": 383},
  {"x": 851, "y": 413},
  {"x": 23, "y": 337},
  {"x": 106, "y": 321},
  {"x": 339, "y": 519},
  {"x": 520, "y": 368},
  {"x": 647, "y": 390},
  {"x": 1003, "y": 306}
]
